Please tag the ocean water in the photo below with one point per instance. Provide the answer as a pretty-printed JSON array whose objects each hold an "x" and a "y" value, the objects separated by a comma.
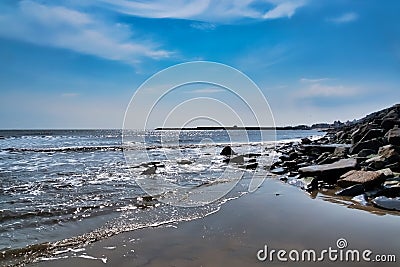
[{"x": 71, "y": 187}]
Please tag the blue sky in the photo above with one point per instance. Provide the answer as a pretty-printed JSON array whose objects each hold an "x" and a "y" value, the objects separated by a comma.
[{"x": 76, "y": 64}]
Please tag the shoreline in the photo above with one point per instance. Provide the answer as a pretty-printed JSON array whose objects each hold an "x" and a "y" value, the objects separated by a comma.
[{"x": 276, "y": 215}]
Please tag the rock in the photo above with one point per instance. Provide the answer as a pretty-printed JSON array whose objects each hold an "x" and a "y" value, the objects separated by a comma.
[
  {"x": 362, "y": 199},
  {"x": 387, "y": 203},
  {"x": 293, "y": 156},
  {"x": 387, "y": 172},
  {"x": 253, "y": 155},
  {"x": 373, "y": 144},
  {"x": 184, "y": 162},
  {"x": 366, "y": 178},
  {"x": 341, "y": 151},
  {"x": 323, "y": 148},
  {"x": 150, "y": 170},
  {"x": 329, "y": 171},
  {"x": 389, "y": 123},
  {"x": 393, "y": 136},
  {"x": 278, "y": 171},
  {"x": 351, "y": 191},
  {"x": 249, "y": 166},
  {"x": 365, "y": 152},
  {"x": 357, "y": 135},
  {"x": 306, "y": 141},
  {"x": 227, "y": 151},
  {"x": 394, "y": 166},
  {"x": 391, "y": 187},
  {"x": 390, "y": 153},
  {"x": 371, "y": 134},
  {"x": 237, "y": 159}
]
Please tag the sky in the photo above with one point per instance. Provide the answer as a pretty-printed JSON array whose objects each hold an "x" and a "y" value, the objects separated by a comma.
[{"x": 78, "y": 63}]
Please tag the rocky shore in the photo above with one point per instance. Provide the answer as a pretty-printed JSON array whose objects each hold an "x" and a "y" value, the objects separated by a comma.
[{"x": 360, "y": 160}]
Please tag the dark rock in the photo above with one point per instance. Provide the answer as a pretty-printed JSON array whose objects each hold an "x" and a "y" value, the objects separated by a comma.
[
  {"x": 253, "y": 155},
  {"x": 184, "y": 162},
  {"x": 393, "y": 136},
  {"x": 390, "y": 153},
  {"x": 278, "y": 171},
  {"x": 293, "y": 156},
  {"x": 249, "y": 166},
  {"x": 366, "y": 178},
  {"x": 252, "y": 160},
  {"x": 306, "y": 141},
  {"x": 351, "y": 191},
  {"x": 237, "y": 160},
  {"x": 389, "y": 123},
  {"x": 227, "y": 151},
  {"x": 365, "y": 152},
  {"x": 358, "y": 134},
  {"x": 329, "y": 171},
  {"x": 394, "y": 166},
  {"x": 150, "y": 170},
  {"x": 373, "y": 144},
  {"x": 387, "y": 203},
  {"x": 284, "y": 157},
  {"x": 371, "y": 134}
]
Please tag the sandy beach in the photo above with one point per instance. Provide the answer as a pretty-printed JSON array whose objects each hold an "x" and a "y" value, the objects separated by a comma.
[{"x": 277, "y": 215}]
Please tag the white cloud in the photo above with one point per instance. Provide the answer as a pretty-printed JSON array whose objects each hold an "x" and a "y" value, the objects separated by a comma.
[
  {"x": 62, "y": 27},
  {"x": 344, "y": 18},
  {"x": 207, "y": 10},
  {"x": 321, "y": 90},
  {"x": 283, "y": 9}
]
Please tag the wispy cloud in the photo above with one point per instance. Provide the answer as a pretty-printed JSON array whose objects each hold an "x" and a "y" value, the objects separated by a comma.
[
  {"x": 326, "y": 91},
  {"x": 344, "y": 18},
  {"x": 284, "y": 9},
  {"x": 207, "y": 10},
  {"x": 62, "y": 27},
  {"x": 207, "y": 91},
  {"x": 307, "y": 80}
]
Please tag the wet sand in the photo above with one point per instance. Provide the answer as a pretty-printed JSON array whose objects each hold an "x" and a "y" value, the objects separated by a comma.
[{"x": 277, "y": 215}]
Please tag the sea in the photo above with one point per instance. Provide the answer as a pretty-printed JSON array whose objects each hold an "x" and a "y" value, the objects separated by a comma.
[{"x": 68, "y": 188}]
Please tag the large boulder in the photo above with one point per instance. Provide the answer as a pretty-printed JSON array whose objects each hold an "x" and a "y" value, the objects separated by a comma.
[
  {"x": 366, "y": 178},
  {"x": 227, "y": 151},
  {"x": 329, "y": 171},
  {"x": 390, "y": 153},
  {"x": 393, "y": 136},
  {"x": 373, "y": 144}
]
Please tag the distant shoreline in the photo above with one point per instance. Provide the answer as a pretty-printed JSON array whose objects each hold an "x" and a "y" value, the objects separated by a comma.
[{"x": 247, "y": 128}]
